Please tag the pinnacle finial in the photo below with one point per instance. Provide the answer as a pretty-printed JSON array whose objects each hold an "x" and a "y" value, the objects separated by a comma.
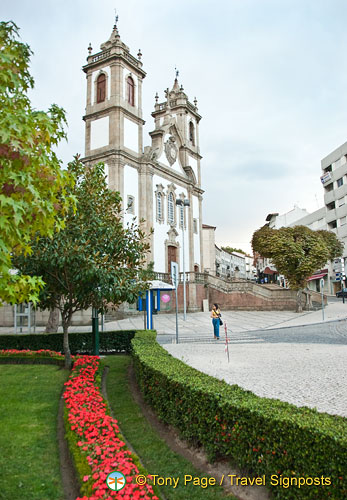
[
  {"x": 139, "y": 55},
  {"x": 156, "y": 98},
  {"x": 177, "y": 73},
  {"x": 90, "y": 48},
  {"x": 115, "y": 18}
]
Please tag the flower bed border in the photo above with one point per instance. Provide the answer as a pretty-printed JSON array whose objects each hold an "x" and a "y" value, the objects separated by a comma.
[{"x": 92, "y": 478}]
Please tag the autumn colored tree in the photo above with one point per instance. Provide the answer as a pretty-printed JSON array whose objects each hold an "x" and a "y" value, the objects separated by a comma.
[
  {"x": 95, "y": 261},
  {"x": 297, "y": 252},
  {"x": 33, "y": 198}
]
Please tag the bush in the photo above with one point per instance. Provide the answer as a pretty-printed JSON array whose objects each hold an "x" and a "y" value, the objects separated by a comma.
[
  {"x": 265, "y": 436},
  {"x": 81, "y": 343}
]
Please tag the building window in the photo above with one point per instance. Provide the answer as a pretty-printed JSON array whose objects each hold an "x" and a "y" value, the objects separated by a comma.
[
  {"x": 101, "y": 88},
  {"x": 159, "y": 206},
  {"x": 195, "y": 226},
  {"x": 332, "y": 224},
  {"x": 159, "y": 197},
  {"x": 130, "y": 91},
  {"x": 192, "y": 133},
  {"x": 339, "y": 182},
  {"x": 131, "y": 204},
  {"x": 329, "y": 187},
  {"x": 331, "y": 205},
  {"x": 327, "y": 169},
  {"x": 171, "y": 208}
]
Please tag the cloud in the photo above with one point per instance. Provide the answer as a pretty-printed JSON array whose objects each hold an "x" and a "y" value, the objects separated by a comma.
[{"x": 269, "y": 77}]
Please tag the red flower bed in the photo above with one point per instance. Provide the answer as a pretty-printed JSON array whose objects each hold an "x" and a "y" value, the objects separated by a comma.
[{"x": 98, "y": 435}]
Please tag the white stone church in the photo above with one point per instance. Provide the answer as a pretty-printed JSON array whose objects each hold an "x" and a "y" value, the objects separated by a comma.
[{"x": 150, "y": 179}]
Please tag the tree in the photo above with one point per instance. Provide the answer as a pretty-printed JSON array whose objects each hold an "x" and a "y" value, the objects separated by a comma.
[
  {"x": 232, "y": 249},
  {"x": 95, "y": 261},
  {"x": 32, "y": 184},
  {"x": 297, "y": 252}
]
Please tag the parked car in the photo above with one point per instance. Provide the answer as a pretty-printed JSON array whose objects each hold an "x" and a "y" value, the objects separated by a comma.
[{"x": 339, "y": 293}]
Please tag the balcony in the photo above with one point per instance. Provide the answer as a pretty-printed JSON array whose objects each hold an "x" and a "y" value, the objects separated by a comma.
[
  {"x": 329, "y": 197},
  {"x": 330, "y": 216}
]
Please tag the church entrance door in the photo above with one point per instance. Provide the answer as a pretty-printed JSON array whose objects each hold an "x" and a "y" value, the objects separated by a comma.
[{"x": 171, "y": 256}]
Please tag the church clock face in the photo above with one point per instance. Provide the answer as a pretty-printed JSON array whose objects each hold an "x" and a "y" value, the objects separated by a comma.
[{"x": 171, "y": 150}]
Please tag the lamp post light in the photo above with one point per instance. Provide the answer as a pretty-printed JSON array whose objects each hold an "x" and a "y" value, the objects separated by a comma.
[{"x": 182, "y": 204}]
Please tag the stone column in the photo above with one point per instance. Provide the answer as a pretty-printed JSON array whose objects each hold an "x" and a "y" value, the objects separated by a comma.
[
  {"x": 190, "y": 231},
  {"x": 89, "y": 89},
  {"x": 149, "y": 224},
  {"x": 200, "y": 235}
]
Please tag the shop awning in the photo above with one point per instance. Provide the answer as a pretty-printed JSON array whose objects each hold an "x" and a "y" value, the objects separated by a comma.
[
  {"x": 267, "y": 270},
  {"x": 316, "y": 276}
]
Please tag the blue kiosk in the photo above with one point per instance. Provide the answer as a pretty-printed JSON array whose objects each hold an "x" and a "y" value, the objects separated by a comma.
[{"x": 152, "y": 298}]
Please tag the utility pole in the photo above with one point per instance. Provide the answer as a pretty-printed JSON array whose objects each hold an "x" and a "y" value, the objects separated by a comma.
[{"x": 182, "y": 204}]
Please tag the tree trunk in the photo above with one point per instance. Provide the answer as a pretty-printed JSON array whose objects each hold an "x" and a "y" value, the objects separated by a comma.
[
  {"x": 53, "y": 321},
  {"x": 299, "y": 301},
  {"x": 68, "y": 361},
  {"x": 308, "y": 300}
]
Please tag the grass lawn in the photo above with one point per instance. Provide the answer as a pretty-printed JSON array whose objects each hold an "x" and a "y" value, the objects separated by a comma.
[
  {"x": 154, "y": 453},
  {"x": 29, "y": 456}
]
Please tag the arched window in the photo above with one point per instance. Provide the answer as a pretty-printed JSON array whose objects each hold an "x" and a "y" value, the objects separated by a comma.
[
  {"x": 131, "y": 91},
  {"x": 192, "y": 133},
  {"x": 170, "y": 209},
  {"x": 101, "y": 88},
  {"x": 159, "y": 206}
]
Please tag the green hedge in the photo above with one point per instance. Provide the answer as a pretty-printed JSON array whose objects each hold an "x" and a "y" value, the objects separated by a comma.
[
  {"x": 264, "y": 436},
  {"x": 80, "y": 343}
]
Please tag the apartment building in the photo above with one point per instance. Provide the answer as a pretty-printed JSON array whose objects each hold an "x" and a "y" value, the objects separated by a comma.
[{"x": 334, "y": 180}]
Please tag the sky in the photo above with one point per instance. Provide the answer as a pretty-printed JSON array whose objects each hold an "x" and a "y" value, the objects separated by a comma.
[{"x": 270, "y": 78}]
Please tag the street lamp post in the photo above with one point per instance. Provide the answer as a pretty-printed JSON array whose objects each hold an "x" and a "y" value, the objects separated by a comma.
[{"x": 182, "y": 204}]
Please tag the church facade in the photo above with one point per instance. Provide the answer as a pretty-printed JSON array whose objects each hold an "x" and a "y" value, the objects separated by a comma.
[{"x": 150, "y": 179}]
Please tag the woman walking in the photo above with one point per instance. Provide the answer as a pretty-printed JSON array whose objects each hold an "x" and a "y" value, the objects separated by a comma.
[{"x": 215, "y": 315}]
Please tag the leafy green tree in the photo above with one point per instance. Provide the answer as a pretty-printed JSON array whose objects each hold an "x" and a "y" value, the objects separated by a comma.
[
  {"x": 95, "y": 261},
  {"x": 32, "y": 184},
  {"x": 297, "y": 252},
  {"x": 232, "y": 249}
]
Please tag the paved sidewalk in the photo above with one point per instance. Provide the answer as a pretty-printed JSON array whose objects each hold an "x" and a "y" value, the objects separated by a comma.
[{"x": 237, "y": 321}]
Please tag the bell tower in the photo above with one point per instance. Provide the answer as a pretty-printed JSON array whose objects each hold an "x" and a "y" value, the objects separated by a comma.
[
  {"x": 180, "y": 111},
  {"x": 113, "y": 117}
]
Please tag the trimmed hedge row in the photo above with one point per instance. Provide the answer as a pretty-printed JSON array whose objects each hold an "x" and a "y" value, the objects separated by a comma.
[
  {"x": 287, "y": 444},
  {"x": 81, "y": 343}
]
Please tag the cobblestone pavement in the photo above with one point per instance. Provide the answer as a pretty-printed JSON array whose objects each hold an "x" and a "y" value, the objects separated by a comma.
[
  {"x": 332, "y": 332},
  {"x": 304, "y": 365}
]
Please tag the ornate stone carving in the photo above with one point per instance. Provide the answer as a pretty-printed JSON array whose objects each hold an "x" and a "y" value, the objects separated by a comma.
[
  {"x": 172, "y": 234},
  {"x": 171, "y": 150},
  {"x": 150, "y": 154}
]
